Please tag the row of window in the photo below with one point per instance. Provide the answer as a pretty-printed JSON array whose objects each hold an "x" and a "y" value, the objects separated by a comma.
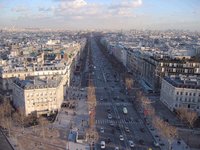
[
  {"x": 188, "y": 106},
  {"x": 186, "y": 93},
  {"x": 40, "y": 94},
  {"x": 41, "y": 100},
  {"x": 187, "y": 99},
  {"x": 41, "y": 105}
]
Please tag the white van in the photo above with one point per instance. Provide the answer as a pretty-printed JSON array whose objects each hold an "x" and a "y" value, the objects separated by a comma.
[
  {"x": 103, "y": 145},
  {"x": 125, "y": 111}
]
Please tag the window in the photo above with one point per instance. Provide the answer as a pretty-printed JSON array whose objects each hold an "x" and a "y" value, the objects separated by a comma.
[
  {"x": 177, "y": 93},
  {"x": 180, "y": 99},
  {"x": 186, "y": 93},
  {"x": 190, "y": 94},
  {"x": 194, "y": 94},
  {"x": 181, "y": 93},
  {"x": 185, "y": 99}
]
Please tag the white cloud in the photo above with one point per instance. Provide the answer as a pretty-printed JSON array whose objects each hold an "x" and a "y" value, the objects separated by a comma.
[
  {"x": 20, "y": 9},
  {"x": 82, "y": 9},
  {"x": 73, "y": 4}
]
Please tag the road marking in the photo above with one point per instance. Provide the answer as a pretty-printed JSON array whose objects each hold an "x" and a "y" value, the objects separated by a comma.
[{"x": 115, "y": 122}]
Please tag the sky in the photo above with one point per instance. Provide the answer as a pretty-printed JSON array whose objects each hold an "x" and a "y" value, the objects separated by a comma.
[{"x": 101, "y": 14}]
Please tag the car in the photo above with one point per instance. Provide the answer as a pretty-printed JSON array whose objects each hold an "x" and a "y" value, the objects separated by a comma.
[
  {"x": 102, "y": 130},
  {"x": 156, "y": 144},
  {"x": 141, "y": 142},
  {"x": 82, "y": 89},
  {"x": 131, "y": 143},
  {"x": 116, "y": 148},
  {"x": 142, "y": 130},
  {"x": 109, "y": 116},
  {"x": 117, "y": 127},
  {"x": 108, "y": 140},
  {"x": 113, "y": 131},
  {"x": 112, "y": 124},
  {"x": 103, "y": 145},
  {"x": 108, "y": 109},
  {"x": 127, "y": 129},
  {"x": 121, "y": 137}
]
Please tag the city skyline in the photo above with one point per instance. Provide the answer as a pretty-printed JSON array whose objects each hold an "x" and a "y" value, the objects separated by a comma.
[{"x": 104, "y": 14}]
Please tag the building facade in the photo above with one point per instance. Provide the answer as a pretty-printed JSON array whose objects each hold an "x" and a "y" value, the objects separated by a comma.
[
  {"x": 38, "y": 96},
  {"x": 179, "y": 92}
]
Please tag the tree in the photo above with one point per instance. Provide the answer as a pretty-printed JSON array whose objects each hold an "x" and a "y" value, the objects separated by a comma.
[
  {"x": 151, "y": 111},
  {"x": 19, "y": 117},
  {"x": 128, "y": 82},
  {"x": 43, "y": 122},
  {"x": 166, "y": 130},
  {"x": 139, "y": 97},
  {"x": 191, "y": 117},
  {"x": 5, "y": 115},
  {"x": 182, "y": 113},
  {"x": 187, "y": 115},
  {"x": 91, "y": 104}
]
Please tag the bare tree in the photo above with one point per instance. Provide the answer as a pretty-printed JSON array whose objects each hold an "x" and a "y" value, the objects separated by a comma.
[
  {"x": 92, "y": 104},
  {"x": 43, "y": 122},
  {"x": 192, "y": 117},
  {"x": 151, "y": 111},
  {"x": 182, "y": 113},
  {"x": 187, "y": 115},
  {"x": 166, "y": 130},
  {"x": 128, "y": 82},
  {"x": 20, "y": 117},
  {"x": 5, "y": 114}
]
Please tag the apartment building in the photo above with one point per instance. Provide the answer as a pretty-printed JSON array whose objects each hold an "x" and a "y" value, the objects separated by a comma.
[
  {"x": 23, "y": 67},
  {"x": 181, "y": 91},
  {"x": 152, "y": 68},
  {"x": 36, "y": 95}
]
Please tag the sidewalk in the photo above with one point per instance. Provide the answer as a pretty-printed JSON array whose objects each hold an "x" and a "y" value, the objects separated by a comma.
[{"x": 74, "y": 119}]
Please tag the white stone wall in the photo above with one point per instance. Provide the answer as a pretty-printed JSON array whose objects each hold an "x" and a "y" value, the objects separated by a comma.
[
  {"x": 40, "y": 99},
  {"x": 176, "y": 97}
]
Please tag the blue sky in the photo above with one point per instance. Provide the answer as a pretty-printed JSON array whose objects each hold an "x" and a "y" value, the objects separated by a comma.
[{"x": 101, "y": 14}]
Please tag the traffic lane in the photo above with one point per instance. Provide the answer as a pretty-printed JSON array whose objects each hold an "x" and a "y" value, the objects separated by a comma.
[
  {"x": 109, "y": 75},
  {"x": 108, "y": 133},
  {"x": 122, "y": 143},
  {"x": 138, "y": 129},
  {"x": 119, "y": 143},
  {"x": 104, "y": 137},
  {"x": 101, "y": 112}
]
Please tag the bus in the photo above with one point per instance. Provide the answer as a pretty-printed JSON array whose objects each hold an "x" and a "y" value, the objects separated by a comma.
[{"x": 125, "y": 111}]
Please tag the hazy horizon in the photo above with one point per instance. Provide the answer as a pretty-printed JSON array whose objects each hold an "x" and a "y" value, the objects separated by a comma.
[{"x": 101, "y": 14}]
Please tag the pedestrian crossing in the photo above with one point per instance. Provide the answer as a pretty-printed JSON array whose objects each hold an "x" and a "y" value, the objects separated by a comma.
[
  {"x": 111, "y": 104},
  {"x": 116, "y": 122}
]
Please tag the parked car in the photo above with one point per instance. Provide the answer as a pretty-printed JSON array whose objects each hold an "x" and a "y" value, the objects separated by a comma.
[
  {"x": 127, "y": 129},
  {"x": 103, "y": 145},
  {"x": 131, "y": 143},
  {"x": 156, "y": 144},
  {"x": 121, "y": 137},
  {"x": 102, "y": 130},
  {"x": 109, "y": 116}
]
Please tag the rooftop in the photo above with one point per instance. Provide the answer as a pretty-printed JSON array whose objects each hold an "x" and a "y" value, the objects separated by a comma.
[
  {"x": 36, "y": 83},
  {"x": 184, "y": 82}
]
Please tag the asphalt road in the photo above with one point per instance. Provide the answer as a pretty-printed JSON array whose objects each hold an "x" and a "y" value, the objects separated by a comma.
[
  {"x": 111, "y": 95},
  {"x": 4, "y": 145}
]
